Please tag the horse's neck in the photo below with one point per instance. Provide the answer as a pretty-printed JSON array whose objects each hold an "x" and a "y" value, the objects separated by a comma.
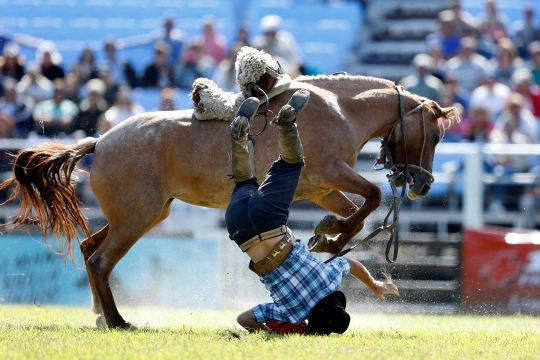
[
  {"x": 374, "y": 112},
  {"x": 346, "y": 85}
]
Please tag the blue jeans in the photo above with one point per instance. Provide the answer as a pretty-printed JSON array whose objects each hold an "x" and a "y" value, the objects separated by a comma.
[{"x": 255, "y": 209}]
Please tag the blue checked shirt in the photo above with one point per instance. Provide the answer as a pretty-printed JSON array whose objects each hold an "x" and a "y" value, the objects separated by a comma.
[{"x": 298, "y": 284}]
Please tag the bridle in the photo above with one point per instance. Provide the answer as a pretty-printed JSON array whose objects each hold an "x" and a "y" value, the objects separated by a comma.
[{"x": 387, "y": 161}]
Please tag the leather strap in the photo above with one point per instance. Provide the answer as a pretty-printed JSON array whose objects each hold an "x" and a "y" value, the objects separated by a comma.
[
  {"x": 263, "y": 236},
  {"x": 278, "y": 254}
]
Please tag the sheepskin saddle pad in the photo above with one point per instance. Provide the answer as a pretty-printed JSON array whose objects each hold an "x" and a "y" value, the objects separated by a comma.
[{"x": 211, "y": 102}]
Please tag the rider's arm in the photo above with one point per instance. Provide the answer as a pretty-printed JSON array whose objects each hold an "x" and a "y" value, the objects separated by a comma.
[
  {"x": 378, "y": 288},
  {"x": 248, "y": 322}
]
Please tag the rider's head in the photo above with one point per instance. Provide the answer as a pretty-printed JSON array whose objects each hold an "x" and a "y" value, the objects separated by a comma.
[{"x": 329, "y": 315}]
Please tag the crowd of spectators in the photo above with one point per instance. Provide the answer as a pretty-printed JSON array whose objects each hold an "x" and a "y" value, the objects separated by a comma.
[
  {"x": 48, "y": 98},
  {"x": 489, "y": 68}
]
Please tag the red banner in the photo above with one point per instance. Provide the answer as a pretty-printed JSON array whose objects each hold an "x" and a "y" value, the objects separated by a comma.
[{"x": 500, "y": 271}]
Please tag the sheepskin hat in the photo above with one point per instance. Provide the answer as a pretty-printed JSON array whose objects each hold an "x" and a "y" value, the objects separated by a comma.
[{"x": 250, "y": 65}]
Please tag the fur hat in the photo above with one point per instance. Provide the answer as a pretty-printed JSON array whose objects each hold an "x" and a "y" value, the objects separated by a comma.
[{"x": 250, "y": 65}]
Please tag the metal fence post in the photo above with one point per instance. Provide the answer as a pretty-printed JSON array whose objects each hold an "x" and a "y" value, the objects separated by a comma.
[{"x": 473, "y": 193}]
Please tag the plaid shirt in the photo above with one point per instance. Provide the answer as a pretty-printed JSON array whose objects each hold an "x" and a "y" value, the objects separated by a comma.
[{"x": 298, "y": 284}]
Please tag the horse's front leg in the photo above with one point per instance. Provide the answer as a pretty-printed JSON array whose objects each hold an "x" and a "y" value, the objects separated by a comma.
[
  {"x": 342, "y": 178},
  {"x": 336, "y": 202}
]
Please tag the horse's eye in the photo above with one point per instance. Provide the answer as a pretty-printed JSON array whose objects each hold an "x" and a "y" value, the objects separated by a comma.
[{"x": 436, "y": 139}]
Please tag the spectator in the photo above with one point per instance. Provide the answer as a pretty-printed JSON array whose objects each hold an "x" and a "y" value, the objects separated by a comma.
[
  {"x": 159, "y": 74},
  {"x": 35, "y": 85},
  {"x": 523, "y": 32},
  {"x": 477, "y": 126},
  {"x": 522, "y": 118},
  {"x": 280, "y": 44},
  {"x": 86, "y": 67},
  {"x": 72, "y": 87},
  {"x": 166, "y": 102},
  {"x": 123, "y": 108},
  {"x": 211, "y": 42},
  {"x": 446, "y": 37},
  {"x": 458, "y": 95},
  {"x": 193, "y": 64},
  {"x": 49, "y": 59},
  {"x": 534, "y": 64},
  {"x": 173, "y": 37},
  {"x": 522, "y": 80},
  {"x": 493, "y": 24},
  {"x": 55, "y": 117},
  {"x": 465, "y": 23},
  {"x": 91, "y": 107},
  {"x": 491, "y": 95},
  {"x": 506, "y": 62},
  {"x": 104, "y": 74},
  {"x": 468, "y": 66},
  {"x": 508, "y": 133},
  {"x": 11, "y": 65},
  {"x": 120, "y": 71},
  {"x": 439, "y": 61},
  {"x": 422, "y": 82},
  {"x": 15, "y": 112},
  {"x": 225, "y": 76}
]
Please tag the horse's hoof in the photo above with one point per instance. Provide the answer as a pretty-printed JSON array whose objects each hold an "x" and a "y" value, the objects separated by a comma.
[
  {"x": 323, "y": 244},
  {"x": 127, "y": 326},
  {"x": 100, "y": 321},
  {"x": 327, "y": 223}
]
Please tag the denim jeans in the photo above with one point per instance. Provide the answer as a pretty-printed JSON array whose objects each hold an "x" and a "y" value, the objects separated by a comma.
[{"x": 255, "y": 209}]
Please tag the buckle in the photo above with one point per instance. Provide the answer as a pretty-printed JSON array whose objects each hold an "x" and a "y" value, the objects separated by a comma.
[
  {"x": 275, "y": 253},
  {"x": 282, "y": 245}
]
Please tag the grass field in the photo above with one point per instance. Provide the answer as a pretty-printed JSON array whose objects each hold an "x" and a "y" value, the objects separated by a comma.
[{"x": 69, "y": 333}]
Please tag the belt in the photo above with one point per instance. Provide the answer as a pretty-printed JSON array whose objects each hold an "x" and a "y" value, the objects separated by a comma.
[
  {"x": 263, "y": 236},
  {"x": 278, "y": 254}
]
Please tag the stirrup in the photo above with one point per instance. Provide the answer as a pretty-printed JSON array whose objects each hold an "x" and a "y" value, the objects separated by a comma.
[{"x": 288, "y": 113}]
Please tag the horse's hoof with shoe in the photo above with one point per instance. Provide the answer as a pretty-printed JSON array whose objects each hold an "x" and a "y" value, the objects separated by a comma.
[
  {"x": 330, "y": 224},
  {"x": 324, "y": 244}
]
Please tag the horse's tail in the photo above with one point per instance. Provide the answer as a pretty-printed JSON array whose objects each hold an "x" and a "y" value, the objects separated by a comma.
[{"x": 42, "y": 179}]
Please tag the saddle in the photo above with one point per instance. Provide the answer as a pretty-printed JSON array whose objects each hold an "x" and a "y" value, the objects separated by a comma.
[{"x": 255, "y": 71}]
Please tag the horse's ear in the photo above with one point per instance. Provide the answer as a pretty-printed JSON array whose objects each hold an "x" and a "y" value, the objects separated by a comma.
[{"x": 451, "y": 114}]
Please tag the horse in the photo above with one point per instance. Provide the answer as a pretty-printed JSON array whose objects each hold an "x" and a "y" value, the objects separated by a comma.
[{"x": 141, "y": 165}]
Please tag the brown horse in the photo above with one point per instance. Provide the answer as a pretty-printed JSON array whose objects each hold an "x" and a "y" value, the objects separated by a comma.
[{"x": 146, "y": 162}]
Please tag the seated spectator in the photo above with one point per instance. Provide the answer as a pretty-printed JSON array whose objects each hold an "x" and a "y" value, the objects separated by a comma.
[
  {"x": 54, "y": 118},
  {"x": 523, "y": 120},
  {"x": 72, "y": 87},
  {"x": 211, "y": 42},
  {"x": 225, "y": 74},
  {"x": 523, "y": 85},
  {"x": 491, "y": 95},
  {"x": 506, "y": 62},
  {"x": 439, "y": 62},
  {"x": 468, "y": 66},
  {"x": 35, "y": 85},
  {"x": 11, "y": 65},
  {"x": 508, "y": 133},
  {"x": 104, "y": 75},
  {"x": 458, "y": 95},
  {"x": 121, "y": 71},
  {"x": 477, "y": 126},
  {"x": 465, "y": 23},
  {"x": 534, "y": 63},
  {"x": 15, "y": 112},
  {"x": 91, "y": 107},
  {"x": 423, "y": 83},
  {"x": 86, "y": 67},
  {"x": 446, "y": 37},
  {"x": 49, "y": 60},
  {"x": 492, "y": 23},
  {"x": 280, "y": 44},
  {"x": 123, "y": 108},
  {"x": 192, "y": 65},
  {"x": 159, "y": 74},
  {"x": 166, "y": 102},
  {"x": 523, "y": 32}
]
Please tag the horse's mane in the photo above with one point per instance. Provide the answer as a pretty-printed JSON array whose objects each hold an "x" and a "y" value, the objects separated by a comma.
[{"x": 353, "y": 83}]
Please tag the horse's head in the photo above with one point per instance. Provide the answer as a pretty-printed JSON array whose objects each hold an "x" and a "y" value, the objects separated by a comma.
[{"x": 413, "y": 139}]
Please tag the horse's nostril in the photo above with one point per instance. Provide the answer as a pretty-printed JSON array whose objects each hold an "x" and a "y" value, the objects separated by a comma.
[{"x": 424, "y": 190}]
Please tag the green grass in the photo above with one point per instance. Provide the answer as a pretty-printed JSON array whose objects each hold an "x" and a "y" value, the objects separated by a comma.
[{"x": 69, "y": 333}]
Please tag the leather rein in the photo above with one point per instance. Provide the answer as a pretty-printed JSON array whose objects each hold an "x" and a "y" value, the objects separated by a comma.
[{"x": 387, "y": 161}]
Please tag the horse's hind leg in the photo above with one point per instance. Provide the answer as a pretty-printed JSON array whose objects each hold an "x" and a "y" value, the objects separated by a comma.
[
  {"x": 87, "y": 249},
  {"x": 119, "y": 239}
]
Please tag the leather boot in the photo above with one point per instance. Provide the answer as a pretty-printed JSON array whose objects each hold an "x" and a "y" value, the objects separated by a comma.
[
  {"x": 290, "y": 146},
  {"x": 242, "y": 151}
]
